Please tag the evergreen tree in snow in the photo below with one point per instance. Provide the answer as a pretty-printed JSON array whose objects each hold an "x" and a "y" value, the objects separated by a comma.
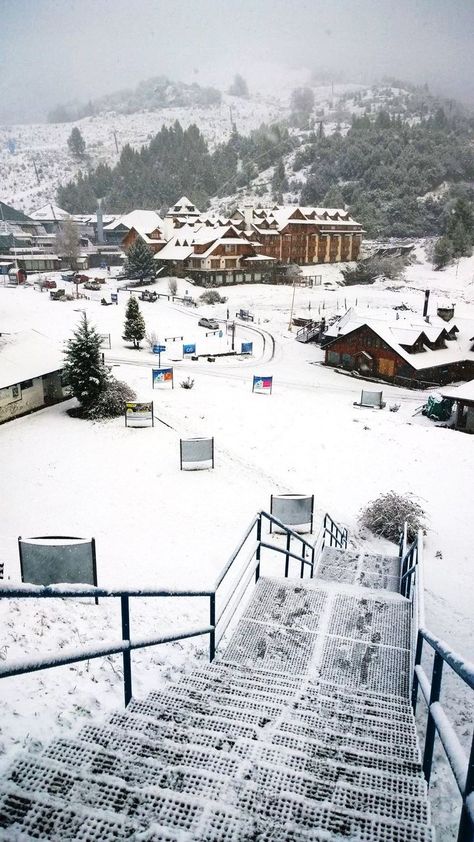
[
  {"x": 76, "y": 143},
  {"x": 443, "y": 252},
  {"x": 84, "y": 370},
  {"x": 140, "y": 259},
  {"x": 134, "y": 328}
]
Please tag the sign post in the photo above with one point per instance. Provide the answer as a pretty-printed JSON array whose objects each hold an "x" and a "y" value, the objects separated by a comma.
[{"x": 159, "y": 349}]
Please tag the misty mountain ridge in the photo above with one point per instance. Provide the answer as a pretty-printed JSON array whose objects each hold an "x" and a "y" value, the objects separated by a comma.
[{"x": 155, "y": 93}]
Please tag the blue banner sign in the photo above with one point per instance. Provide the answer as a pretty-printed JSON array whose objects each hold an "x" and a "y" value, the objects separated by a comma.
[
  {"x": 158, "y": 349},
  {"x": 189, "y": 349},
  {"x": 162, "y": 375},
  {"x": 262, "y": 384},
  {"x": 247, "y": 348}
]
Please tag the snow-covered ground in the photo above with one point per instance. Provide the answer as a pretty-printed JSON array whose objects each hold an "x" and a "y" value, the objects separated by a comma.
[{"x": 157, "y": 526}]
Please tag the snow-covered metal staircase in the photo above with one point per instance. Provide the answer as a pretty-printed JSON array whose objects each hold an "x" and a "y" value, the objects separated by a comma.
[{"x": 302, "y": 730}]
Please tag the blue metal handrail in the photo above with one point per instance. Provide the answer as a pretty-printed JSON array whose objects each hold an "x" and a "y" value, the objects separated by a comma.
[
  {"x": 462, "y": 766},
  {"x": 218, "y": 622}
]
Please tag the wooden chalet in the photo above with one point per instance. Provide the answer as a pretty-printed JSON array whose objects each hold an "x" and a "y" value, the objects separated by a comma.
[{"x": 412, "y": 354}]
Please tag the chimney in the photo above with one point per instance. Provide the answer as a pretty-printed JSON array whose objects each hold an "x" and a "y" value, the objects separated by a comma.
[
  {"x": 248, "y": 217},
  {"x": 168, "y": 228},
  {"x": 100, "y": 224},
  {"x": 425, "y": 307}
]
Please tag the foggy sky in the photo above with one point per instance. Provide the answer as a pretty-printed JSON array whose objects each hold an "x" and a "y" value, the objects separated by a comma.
[{"x": 54, "y": 51}]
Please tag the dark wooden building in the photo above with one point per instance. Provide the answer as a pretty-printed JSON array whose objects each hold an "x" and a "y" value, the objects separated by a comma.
[{"x": 405, "y": 356}]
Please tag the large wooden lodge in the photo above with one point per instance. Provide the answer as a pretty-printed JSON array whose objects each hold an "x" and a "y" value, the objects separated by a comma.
[{"x": 246, "y": 246}]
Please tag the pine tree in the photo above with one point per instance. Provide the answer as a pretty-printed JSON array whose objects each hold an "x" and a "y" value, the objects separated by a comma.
[
  {"x": 334, "y": 198},
  {"x": 140, "y": 261},
  {"x": 443, "y": 252},
  {"x": 134, "y": 328},
  {"x": 460, "y": 239},
  {"x": 76, "y": 143},
  {"x": 84, "y": 370}
]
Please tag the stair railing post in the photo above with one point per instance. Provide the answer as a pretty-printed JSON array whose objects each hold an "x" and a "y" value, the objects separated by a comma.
[
  {"x": 313, "y": 552},
  {"x": 418, "y": 654},
  {"x": 212, "y": 622},
  {"x": 287, "y": 557},
  {"x": 430, "y": 725},
  {"x": 259, "y": 538},
  {"x": 466, "y": 826},
  {"x": 302, "y": 562},
  {"x": 127, "y": 658}
]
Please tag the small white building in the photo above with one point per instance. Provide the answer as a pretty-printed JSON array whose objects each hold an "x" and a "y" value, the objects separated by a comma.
[{"x": 30, "y": 373}]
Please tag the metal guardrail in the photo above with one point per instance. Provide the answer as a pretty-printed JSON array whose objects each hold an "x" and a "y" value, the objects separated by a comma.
[
  {"x": 462, "y": 766},
  {"x": 252, "y": 544},
  {"x": 337, "y": 535}
]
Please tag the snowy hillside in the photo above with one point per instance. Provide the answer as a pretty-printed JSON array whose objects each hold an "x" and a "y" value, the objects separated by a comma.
[{"x": 35, "y": 159}]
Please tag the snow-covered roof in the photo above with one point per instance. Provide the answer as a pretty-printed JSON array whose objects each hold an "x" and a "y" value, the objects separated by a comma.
[
  {"x": 173, "y": 251},
  {"x": 50, "y": 212},
  {"x": 144, "y": 221},
  {"x": 25, "y": 355},
  {"x": 397, "y": 333},
  {"x": 184, "y": 206},
  {"x": 464, "y": 392}
]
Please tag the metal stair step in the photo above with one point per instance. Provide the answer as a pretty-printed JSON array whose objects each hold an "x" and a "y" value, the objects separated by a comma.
[
  {"x": 285, "y": 809},
  {"x": 400, "y": 778},
  {"x": 37, "y": 816},
  {"x": 258, "y": 689},
  {"x": 115, "y": 737},
  {"x": 374, "y": 571},
  {"x": 140, "y": 802},
  {"x": 207, "y": 700},
  {"x": 180, "y": 798},
  {"x": 330, "y": 698},
  {"x": 197, "y": 715},
  {"x": 138, "y": 770},
  {"x": 338, "y": 746},
  {"x": 307, "y": 723}
]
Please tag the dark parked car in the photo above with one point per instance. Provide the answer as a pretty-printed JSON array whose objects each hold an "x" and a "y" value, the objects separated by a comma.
[{"x": 211, "y": 324}]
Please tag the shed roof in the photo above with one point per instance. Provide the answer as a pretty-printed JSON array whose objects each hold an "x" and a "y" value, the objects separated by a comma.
[
  {"x": 464, "y": 392},
  {"x": 27, "y": 354}
]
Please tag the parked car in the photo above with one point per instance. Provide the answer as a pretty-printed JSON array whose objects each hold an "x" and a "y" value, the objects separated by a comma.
[
  {"x": 211, "y": 324},
  {"x": 48, "y": 283}
]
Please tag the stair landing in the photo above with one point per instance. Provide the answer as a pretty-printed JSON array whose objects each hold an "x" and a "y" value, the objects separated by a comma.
[{"x": 359, "y": 568}]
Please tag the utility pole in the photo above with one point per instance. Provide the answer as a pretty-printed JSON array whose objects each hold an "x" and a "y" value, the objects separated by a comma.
[
  {"x": 292, "y": 303},
  {"x": 36, "y": 172},
  {"x": 116, "y": 142}
]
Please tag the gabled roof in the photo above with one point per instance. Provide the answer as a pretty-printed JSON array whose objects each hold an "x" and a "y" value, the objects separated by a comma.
[
  {"x": 50, "y": 213},
  {"x": 9, "y": 214},
  {"x": 184, "y": 206},
  {"x": 144, "y": 221}
]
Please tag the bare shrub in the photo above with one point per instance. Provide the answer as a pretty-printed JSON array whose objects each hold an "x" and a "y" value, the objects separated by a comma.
[
  {"x": 386, "y": 515},
  {"x": 187, "y": 384}
]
